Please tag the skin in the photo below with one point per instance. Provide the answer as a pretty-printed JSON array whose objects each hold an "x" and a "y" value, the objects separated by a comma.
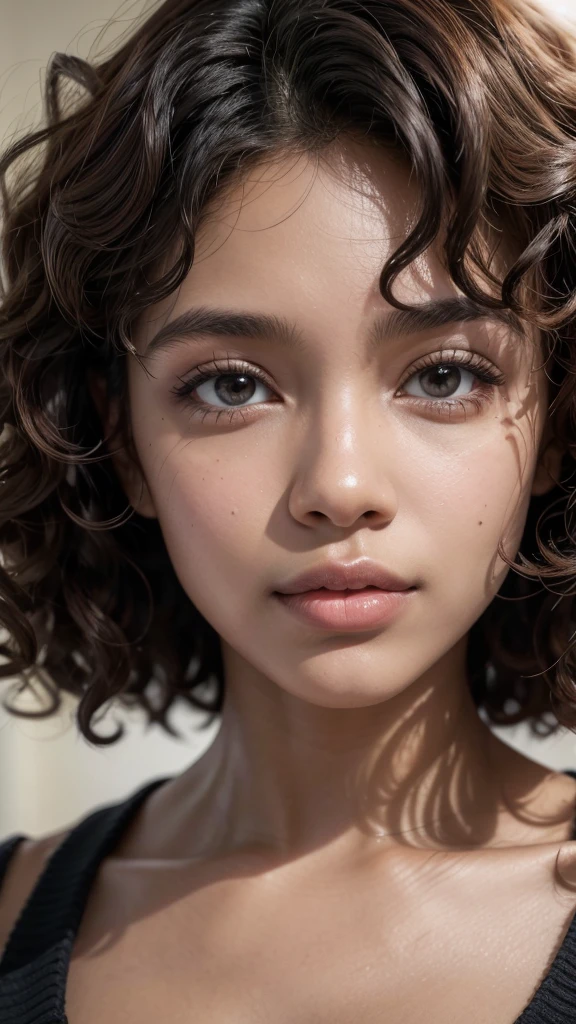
[
  {"x": 355, "y": 835},
  {"x": 330, "y": 741}
]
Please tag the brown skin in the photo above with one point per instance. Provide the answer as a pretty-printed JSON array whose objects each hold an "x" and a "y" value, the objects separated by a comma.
[{"x": 355, "y": 836}]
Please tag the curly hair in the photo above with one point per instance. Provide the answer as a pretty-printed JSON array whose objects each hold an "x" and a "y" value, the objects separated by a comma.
[{"x": 479, "y": 95}]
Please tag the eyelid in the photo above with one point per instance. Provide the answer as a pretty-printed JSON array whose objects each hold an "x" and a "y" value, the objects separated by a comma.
[
  {"x": 232, "y": 365},
  {"x": 460, "y": 357},
  {"x": 238, "y": 365},
  {"x": 210, "y": 371}
]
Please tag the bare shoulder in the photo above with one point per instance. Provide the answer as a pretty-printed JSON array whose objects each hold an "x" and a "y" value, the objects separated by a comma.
[{"x": 26, "y": 865}]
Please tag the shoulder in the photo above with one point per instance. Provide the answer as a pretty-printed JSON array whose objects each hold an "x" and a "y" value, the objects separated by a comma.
[
  {"x": 31, "y": 856},
  {"x": 25, "y": 867}
]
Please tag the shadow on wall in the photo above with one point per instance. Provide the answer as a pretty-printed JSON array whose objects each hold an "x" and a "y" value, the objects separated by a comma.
[{"x": 50, "y": 775}]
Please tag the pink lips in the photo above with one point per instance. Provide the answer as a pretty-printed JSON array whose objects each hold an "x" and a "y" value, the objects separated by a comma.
[
  {"x": 335, "y": 575},
  {"x": 346, "y": 595},
  {"x": 349, "y": 609}
]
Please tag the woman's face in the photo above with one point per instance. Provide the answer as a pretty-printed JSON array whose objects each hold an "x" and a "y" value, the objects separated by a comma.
[{"x": 348, "y": 445}]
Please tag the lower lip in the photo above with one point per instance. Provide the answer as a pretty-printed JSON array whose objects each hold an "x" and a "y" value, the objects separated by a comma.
[{"x": 347, "y": 609}]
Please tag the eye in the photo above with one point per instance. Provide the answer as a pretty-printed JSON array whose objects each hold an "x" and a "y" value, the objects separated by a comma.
[
  {"x": 229, "y": 389},
  {"x": 443, "y": 377},
  {"x": 232, "y": 389},
  {"x": 440, "y": 381}
]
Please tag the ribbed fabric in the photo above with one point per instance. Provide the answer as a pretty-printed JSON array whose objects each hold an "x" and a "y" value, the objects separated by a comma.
[
  {"x": 34, "y": 966},
  {"x": 7, "y": 848},
  {"x": 554, "y": 1001}
]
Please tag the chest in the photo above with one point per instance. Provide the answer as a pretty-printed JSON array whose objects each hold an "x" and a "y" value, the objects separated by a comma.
[{"x": 181, "y": 947}]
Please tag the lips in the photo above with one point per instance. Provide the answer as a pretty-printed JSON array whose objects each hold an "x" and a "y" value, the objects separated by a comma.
[{"x": 364, "y": 572}]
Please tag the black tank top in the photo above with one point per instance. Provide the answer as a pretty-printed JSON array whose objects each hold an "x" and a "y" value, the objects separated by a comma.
[{"x": 34, "y": 965}]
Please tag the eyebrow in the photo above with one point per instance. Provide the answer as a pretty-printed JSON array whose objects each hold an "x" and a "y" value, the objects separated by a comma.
[{"x": 200, "y": 322}]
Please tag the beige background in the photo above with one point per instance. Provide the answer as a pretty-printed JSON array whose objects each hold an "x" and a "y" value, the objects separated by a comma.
[{"x": 49, "y": 776}]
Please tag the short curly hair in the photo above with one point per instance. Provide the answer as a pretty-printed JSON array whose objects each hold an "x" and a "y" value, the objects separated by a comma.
[{"x": 479, "y": 96}]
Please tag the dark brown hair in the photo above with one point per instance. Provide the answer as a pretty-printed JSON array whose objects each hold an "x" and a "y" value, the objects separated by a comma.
[{"x": 479, "y": 95}]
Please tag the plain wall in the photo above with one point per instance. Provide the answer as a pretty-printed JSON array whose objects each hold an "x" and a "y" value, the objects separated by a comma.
[{"x": 49, "y": 775}]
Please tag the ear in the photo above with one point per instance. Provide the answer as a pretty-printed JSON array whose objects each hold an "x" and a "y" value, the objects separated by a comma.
[
  {"x": 130, "y": 475},
  {"x": 547, "y": 472}
]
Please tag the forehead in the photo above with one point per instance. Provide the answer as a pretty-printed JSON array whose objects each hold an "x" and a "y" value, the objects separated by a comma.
[
  {"x": 306, "y": 236},
  {"x": 337, "y": 214}
]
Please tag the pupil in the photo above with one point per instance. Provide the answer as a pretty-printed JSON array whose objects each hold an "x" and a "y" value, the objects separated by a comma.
[
  {"x": 445, "y": 380},
  {"x": 242, "y": 392}
]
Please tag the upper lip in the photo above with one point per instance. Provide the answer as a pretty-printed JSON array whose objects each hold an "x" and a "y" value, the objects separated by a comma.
[{"x": 344, "y": 576}]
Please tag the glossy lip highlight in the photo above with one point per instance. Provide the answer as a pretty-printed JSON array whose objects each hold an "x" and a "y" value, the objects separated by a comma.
[{"x": 347, "y": 610}]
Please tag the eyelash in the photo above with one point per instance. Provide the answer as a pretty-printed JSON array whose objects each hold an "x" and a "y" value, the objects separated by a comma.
[{"x": 489, "y": 377}]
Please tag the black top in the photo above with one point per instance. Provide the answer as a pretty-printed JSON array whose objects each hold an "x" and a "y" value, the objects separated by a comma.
[{"x": 34, "y": 966}]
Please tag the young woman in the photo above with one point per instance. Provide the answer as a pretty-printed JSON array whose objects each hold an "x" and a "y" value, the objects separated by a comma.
[{"x": 287, "y": 386}]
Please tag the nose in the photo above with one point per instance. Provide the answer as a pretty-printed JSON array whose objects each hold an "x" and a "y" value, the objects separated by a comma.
[{"x": 343, "y": 469}]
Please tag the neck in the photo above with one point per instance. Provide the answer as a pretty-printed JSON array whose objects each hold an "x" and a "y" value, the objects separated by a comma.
[{"x": 418, "y": 768}]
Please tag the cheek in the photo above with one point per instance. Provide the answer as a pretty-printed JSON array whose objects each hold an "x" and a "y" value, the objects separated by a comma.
[
  {"x": 468, "y": 503},
  {"x": 213, "y": 514}
]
